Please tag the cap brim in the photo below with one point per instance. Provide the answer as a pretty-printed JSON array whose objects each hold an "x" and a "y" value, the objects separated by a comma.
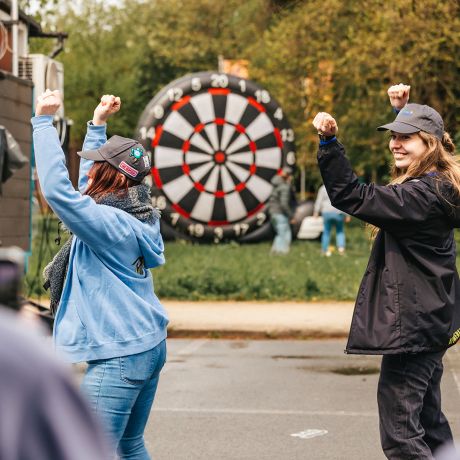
[
  {"x": 399, "y": 127},
  {"x": 91, "y": 155}
]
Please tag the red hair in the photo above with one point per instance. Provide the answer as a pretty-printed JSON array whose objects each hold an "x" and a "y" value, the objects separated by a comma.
[{"x": 104, "y": 179}]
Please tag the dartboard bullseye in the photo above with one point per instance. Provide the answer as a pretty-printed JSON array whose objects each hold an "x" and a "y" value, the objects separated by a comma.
[{"x": 216, "y": 142}]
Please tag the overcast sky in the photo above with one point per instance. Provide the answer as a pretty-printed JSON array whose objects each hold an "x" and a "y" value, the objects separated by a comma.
[{"x": 34, "y": 4}]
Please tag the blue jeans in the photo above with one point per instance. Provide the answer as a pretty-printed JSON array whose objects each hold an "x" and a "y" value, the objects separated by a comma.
[
  {"x": 121, "y": 392},
  {"x": 330, "y": 219},
  {"x": 283, "y": 236}
]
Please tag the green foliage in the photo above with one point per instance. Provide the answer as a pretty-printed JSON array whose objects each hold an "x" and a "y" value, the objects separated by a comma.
[
  {"x": 249, "y": 272},
  {"x": 44, "y": 247},
  {"x": 313, "y": 55},
  {"x": 43, "y": 11},
  {"x": 236, "y": 272},
  {"x": 370, "y": 45}
]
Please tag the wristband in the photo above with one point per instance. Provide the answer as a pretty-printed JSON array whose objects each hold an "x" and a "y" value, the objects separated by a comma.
[{"x": 324, "y": 138}]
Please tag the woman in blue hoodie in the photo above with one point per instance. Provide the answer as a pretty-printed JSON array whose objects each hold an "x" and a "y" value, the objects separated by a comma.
[{"x": 107, "y": 313}]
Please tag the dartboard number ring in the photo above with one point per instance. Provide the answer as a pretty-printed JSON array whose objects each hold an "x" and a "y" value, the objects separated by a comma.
[{"x": 216, "y": 142}]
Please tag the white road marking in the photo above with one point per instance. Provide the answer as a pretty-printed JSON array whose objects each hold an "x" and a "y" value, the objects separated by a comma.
[{"x": 310, "y": 433}]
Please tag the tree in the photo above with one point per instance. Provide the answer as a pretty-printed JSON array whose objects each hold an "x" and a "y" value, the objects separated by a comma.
[
  {"x": 415, "y": 42},
  {"x": 312, "y": 55}
]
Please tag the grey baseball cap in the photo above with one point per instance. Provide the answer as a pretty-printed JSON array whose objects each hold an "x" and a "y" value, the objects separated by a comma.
[
  {"x": 414, "y": 118},
  {"x": 126, "y": 155}
]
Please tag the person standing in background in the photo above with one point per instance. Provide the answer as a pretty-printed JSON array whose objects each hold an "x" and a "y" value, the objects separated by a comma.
[
  {"x": 280, "y": 211},
  {"x": 331, "y": 217}
]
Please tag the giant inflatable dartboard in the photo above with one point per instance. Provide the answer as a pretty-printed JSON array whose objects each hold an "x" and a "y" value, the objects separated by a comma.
[{"x": 216, "y": 142}]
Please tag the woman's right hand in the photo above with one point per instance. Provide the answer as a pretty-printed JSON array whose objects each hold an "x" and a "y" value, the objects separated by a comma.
[
  {"x": 109, "y": 105},
  {"x": 48, "y": 103},
  {"x": 325, "y": 124},
  {"x": 399, "y": 95}
]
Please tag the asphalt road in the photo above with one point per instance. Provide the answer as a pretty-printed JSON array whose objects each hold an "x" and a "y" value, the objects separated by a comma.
[{"x": 273, "y": 400}]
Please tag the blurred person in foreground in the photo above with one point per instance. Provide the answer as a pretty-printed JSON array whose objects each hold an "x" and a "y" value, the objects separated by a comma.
[
  {"x": 280, "y": 211},
  {"x": 408, "y": 305},
  {"x": 100, "y": 281},
  {"x": 42, "y": 414}
]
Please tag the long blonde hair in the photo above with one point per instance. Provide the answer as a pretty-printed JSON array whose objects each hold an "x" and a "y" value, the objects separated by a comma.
[{"x": 438, "y": 156}]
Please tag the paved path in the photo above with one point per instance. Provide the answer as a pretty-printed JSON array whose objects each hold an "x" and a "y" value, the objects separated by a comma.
[
  {"x": 273, "y": 400},
  {"x": 257, "y": 319},
  {"x": 280, "y": 319}
]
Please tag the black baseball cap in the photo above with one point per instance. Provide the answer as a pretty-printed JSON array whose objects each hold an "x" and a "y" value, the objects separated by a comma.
[
  {"x": 124, "y": 154},
  {"x": 414, "y": 118}
]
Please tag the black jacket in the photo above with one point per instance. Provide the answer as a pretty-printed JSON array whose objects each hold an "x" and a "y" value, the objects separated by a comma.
[{"x": 409, "y": 298}]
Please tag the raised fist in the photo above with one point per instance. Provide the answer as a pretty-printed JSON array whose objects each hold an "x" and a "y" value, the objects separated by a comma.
[
  {"x": 399, "y": 95},
  {"x": 109, "y": 105},
  {"x": 325, "y": 124},
  {"x": 48, "y": 103}
]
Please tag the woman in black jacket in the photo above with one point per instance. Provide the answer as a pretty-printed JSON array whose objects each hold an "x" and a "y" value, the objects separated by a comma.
[{"x": 407, "y": 308}]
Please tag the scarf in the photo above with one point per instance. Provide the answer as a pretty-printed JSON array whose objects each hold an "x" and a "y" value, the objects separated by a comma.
[{"x": 136, "y": 202}]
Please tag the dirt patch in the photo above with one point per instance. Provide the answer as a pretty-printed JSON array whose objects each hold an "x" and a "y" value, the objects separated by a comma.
[{"x": 254, "y": 335}]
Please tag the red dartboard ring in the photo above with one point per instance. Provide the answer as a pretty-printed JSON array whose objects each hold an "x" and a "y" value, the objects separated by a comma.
[{"x": 216, "y": 141}]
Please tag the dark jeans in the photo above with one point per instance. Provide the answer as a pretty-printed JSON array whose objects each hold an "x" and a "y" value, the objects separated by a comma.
[{"x": 412, "y": 425}]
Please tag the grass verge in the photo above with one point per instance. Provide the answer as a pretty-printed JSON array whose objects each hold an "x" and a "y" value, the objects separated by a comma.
[{"x": 238, "y": 272}]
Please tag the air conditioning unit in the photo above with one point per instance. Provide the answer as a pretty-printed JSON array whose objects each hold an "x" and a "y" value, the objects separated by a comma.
[{"x": 46, "y": 73}]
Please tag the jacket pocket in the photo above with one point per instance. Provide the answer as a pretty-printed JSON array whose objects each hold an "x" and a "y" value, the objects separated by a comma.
[
  {"x": 376, "y": 321},
  {"x": 390, "y": 303},
  {"x": 69, "y": 329}
]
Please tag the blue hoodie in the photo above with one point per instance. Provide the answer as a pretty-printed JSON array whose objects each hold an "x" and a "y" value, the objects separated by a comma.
[{"x": 107, "y": 309}]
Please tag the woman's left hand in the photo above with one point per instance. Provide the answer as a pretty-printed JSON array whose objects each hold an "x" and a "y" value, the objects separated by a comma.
[
  {"x": 109, "y": 105},
  {"x": 399, "y": 95},
  {"x": 325, "y": 124}
]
